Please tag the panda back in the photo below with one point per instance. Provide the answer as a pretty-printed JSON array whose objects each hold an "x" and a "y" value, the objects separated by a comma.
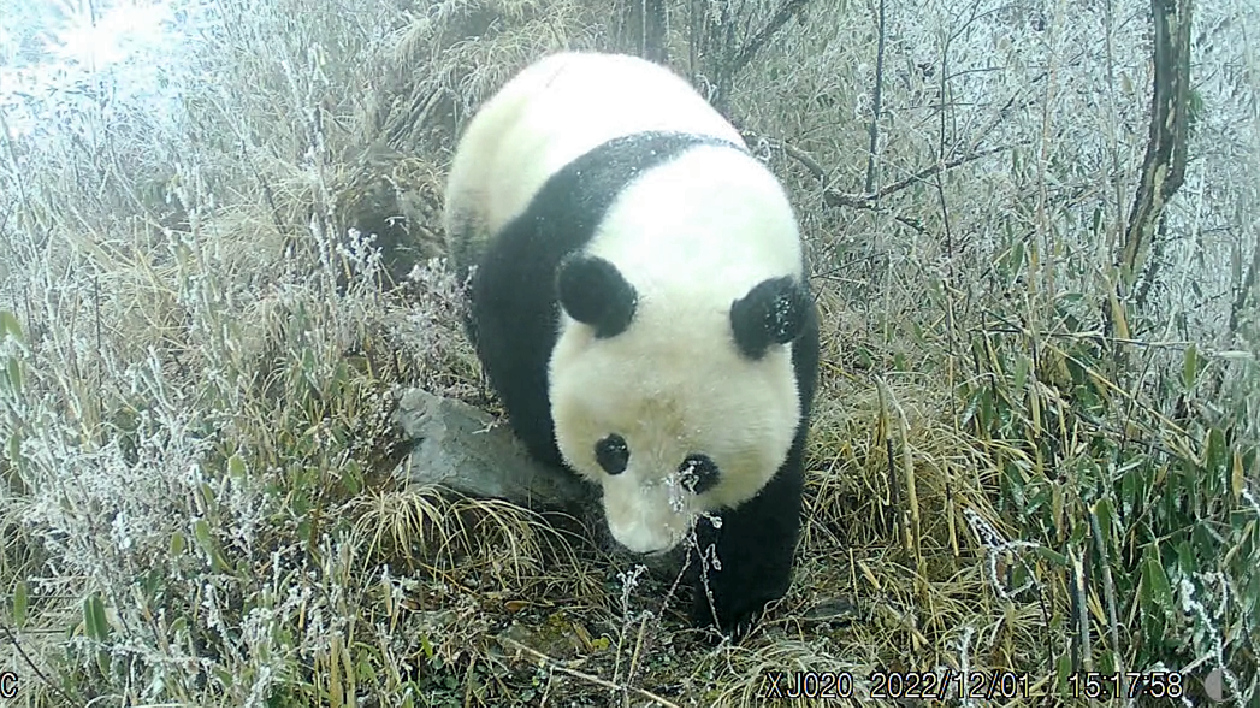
[{"x": 546, "y": 117}]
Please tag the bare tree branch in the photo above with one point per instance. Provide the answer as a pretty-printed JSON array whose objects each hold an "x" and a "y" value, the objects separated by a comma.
[
  {"x": 877, "y": 108},
  {"x": 751, "y": 47},
  {"x": 644, "y": 31},
  {"x": 832, "y": 197},
  {"x": 943, "y": 90},
  {"x": 1164, "y": 167},
  {"x": 754, "y": 45},
  {"x": 861, "y": 200}
]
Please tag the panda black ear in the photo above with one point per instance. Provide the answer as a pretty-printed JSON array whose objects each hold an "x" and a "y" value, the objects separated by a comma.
[
  {"x": 594, "y": 293},
  {"x": 775, "y": 311}
]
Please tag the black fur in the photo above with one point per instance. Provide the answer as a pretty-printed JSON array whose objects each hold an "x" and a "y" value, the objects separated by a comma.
[
  {"x": 612, "y": 454},
  {"x": 595, "y": 293},
  {"x": 757, "y": 540},
  {"x": 699, "y": 473},
  {"x": 773, "y": 312},
  {"x": 514, "y": 325}
]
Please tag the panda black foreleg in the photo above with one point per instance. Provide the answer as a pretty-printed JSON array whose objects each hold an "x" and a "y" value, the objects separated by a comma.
[
  {"x": 513, "y": 342},
  {"x": 754, "y": 547}
]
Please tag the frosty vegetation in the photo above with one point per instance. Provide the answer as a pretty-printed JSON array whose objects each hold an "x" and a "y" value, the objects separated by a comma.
[{"x": 220, "y": 265}]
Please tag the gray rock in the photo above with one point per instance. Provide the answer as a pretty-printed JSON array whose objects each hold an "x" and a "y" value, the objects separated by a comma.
[{"x": 464, "y": 449}]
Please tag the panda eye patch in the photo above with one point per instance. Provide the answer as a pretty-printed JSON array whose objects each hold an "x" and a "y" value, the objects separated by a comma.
[
  {"x": 699, "y": 473},
  {"x": 612, "y": 454}
]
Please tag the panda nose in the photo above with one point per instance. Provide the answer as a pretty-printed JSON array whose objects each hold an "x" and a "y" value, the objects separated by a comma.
[
  {"x": 640, "y": 517},
  {"x": 645, "y": 544},
  {"x": 645, "y": 537}
]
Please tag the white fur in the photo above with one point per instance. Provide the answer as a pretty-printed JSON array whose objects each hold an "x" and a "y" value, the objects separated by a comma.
[
  {"x": 555, "y": 110},
  {"x": 691, "y": 237}
]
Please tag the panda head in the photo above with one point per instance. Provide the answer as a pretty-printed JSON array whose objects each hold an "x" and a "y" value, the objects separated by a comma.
[{"x": 675, "y": 406}]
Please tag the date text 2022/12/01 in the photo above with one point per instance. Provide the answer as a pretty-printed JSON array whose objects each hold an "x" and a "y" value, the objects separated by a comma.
[{"x": 953, "y": 684}]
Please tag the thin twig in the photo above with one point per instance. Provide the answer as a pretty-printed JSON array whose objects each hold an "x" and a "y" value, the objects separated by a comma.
[
  {"x": 1109, "y": 595},
  {"x": 877, "y": 108},
  {"x": 943, "y": 114},
  {"x": 1082, "y": 656},
  {"x": 555, "y": 665},
  {"x": 8, "y": 633},
  {"x": 832, "y": 197},
  {"x": 1246, "y": 288}
]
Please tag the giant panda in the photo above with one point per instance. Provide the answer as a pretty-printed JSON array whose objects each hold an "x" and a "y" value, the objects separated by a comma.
[{"x": 639, "y": 301}]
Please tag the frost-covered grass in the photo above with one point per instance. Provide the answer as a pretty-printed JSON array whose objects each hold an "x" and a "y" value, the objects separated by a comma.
[{"x": 199, "y": 356}]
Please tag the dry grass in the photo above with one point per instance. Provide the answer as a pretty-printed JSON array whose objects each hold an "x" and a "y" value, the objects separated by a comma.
[{"x": 201, "y": 358}]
